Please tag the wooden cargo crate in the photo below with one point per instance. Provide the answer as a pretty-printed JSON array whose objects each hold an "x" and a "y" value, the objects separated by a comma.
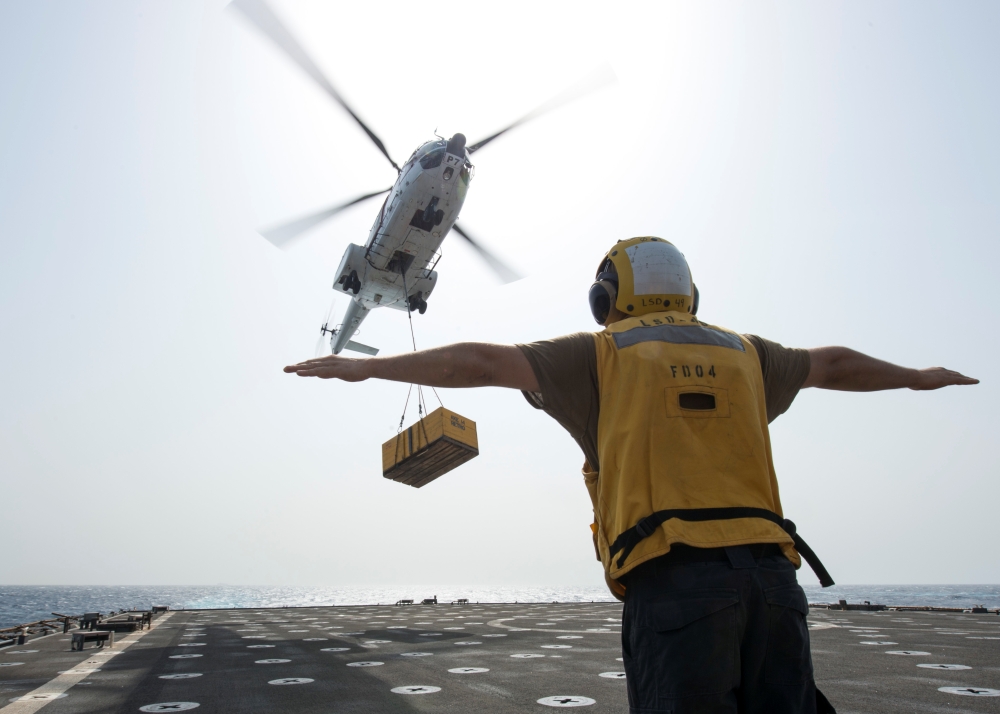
[{"x": 435, "y": 445}]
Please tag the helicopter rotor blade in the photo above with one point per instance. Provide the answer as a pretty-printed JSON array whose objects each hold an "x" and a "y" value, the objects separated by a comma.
[
  {"x": 283, "y": 235},
  {"x": 503, "y": 271},
  {"x": 599, "y": 78},
  {"x": 260, "y": 14}
]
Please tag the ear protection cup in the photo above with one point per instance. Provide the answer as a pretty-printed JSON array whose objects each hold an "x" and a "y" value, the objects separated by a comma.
[
  {"x": 602, "y": 296},
  {"x": 694, "y": 301}
]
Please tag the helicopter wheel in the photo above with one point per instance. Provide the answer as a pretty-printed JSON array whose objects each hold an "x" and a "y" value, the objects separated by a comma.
[{"x": 422, "y": 307}]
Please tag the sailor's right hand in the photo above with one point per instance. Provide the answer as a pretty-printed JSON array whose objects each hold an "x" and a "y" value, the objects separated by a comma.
[
  {"x": 332, "y": 367},
  {"x": 937, "y": 377}
]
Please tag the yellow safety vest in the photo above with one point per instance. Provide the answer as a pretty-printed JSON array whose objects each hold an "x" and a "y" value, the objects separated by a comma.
[{"x": 682, "y": 433}]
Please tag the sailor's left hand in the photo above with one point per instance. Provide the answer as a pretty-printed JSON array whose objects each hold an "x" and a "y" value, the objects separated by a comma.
[{"x": 332, "y": 367}]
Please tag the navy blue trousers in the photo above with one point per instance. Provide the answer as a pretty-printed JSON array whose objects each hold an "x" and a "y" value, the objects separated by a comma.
[{"x": 717, "y": 637}]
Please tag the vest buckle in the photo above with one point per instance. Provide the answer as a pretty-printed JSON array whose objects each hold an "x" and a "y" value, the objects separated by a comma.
[{"x": 647, "y": 526}]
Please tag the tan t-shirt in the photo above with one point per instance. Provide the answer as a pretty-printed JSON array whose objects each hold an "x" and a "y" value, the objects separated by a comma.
[{"x": 566, "y": 370}]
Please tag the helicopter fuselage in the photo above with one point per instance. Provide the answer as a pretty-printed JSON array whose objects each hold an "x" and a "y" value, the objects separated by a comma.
[{"x": 395, "y": 267}]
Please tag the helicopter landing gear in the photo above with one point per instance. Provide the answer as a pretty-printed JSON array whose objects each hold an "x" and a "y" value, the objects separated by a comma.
[
  {"x": 351, "y": 282},
  {"x": 417, "y": 303}
]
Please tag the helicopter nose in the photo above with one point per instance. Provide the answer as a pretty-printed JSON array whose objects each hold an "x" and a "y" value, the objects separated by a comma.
[{"x": 456, "y": 145}]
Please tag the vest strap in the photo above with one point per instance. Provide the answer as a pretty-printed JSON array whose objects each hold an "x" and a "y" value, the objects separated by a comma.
[{"x": 628, "y": 540}]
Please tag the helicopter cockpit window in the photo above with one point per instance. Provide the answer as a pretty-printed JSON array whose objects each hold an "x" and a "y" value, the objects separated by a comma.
[{"x": 433, "y": 159}]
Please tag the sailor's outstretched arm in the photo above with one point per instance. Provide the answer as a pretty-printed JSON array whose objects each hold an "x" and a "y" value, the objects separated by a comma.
[
  {"x": 846, "y": 370},
  {"x": 465, "y": 364}
]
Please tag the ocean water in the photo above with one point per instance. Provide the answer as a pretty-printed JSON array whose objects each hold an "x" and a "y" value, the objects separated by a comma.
[{"x": 27, "y": 603}]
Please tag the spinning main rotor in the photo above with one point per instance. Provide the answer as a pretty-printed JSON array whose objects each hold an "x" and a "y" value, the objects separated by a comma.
[{"x": 259, "y": 13}]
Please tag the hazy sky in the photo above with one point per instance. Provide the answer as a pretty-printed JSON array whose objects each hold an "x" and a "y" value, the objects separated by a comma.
[{"x": 830, "y": 169}]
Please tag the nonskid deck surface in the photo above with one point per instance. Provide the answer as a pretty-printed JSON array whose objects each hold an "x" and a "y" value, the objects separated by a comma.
[{"x": 466, "y": 658}]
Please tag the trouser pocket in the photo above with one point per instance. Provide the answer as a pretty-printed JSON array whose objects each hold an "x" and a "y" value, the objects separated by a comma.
[
  {"x": 682, "y": 645},
  {"x": 787, "y": 660}
]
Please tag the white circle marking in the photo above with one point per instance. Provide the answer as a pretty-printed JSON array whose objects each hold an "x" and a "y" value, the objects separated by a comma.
[
  {"x": 971, "y": 691},
  {"x": 415, "y": 689},
  {"x": 566, "y": 701},
  {"x": 181, "y": 675}
]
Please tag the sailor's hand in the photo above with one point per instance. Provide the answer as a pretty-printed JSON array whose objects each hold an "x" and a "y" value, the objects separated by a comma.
[
  {"x": 937, "y": 377},
  {"x": 332, "y": 367}
]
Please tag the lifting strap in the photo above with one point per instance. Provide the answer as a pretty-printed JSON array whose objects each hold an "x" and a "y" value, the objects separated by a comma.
[{"x": 648, "y": 525}]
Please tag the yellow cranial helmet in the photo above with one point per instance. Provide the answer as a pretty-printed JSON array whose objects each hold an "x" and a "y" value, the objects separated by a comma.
[{"x": 640, "y": 276}]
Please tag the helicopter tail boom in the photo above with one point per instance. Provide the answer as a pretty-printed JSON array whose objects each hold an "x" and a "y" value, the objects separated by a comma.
[{"x": 353, "y": 317}]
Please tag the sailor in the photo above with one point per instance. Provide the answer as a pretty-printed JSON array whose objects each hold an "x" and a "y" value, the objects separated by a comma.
[{"x": 672, "y": 416}]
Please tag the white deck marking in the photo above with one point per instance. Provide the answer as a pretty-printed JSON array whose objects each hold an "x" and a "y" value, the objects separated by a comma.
[
  {"x": 181, "y": 675},
  {"x": 38, "y": 698},
  {"x": 566, "y": 701},
  {"x": 415, "y": 689},
  {"x": 971, "y": 691},
  {"x": 944, "y": 666},
  {"x": 170, "y": 707}
]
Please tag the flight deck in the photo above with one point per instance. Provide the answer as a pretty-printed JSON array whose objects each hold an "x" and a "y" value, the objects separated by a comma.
[{"x": 466, "y": 658}]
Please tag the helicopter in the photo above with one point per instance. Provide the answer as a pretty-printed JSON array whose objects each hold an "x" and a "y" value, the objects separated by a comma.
[{"x": 396, "y": 267}]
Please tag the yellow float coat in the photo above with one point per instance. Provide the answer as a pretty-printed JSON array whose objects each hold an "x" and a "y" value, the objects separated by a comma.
[{"x": 683, "y": 424}]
